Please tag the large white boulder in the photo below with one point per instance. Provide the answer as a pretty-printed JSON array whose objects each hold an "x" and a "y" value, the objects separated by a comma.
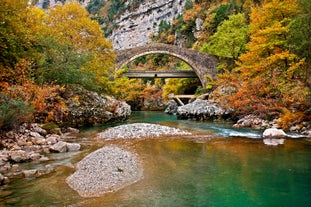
[{"x": 274, "y": 133}]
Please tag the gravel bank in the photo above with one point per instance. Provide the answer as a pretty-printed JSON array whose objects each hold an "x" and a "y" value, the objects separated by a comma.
[
  {"x": 140, "y": 130},
  {"x": 107, "y": 169}
]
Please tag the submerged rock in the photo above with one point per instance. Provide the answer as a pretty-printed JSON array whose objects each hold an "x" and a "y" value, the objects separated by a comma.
[{"x": 105, "y": 170}]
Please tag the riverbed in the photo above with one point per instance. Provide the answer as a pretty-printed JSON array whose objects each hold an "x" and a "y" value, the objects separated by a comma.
[{"x": 217, "y": 166}]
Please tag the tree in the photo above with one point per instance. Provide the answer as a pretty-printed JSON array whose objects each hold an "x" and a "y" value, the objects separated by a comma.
[
  {"x": 230, "y": 39},
  {"x": 269, "y": 74},
  {"x": 300, "y": 36},
  {"x": 74, "y": 48}
]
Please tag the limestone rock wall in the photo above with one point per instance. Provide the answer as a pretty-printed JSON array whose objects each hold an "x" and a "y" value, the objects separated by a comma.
[{"x": 135, "y": 27}]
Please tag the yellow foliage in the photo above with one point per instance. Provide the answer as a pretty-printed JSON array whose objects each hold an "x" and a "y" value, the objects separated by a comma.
[{"x": 289, "y": 118}]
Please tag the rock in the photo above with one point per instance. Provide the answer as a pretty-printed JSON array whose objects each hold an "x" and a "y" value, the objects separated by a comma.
[
  {"x": 273, "y": 142},
  {"x": 91, "y": 108},
  {"x": 73, "y": 147},
  {"x": 36, "y": 134},
  {"x": 72, "y": 130},
  {"x": 142, "y": 21},
  {"x": 171, "y": 107},
  {"x": 38, "y": 140},
  {"x": 274, "y": 133},
  {"x": 34, "y": 156},
  {"x": 201, "y": 110},
  {"x": 52, "y": 139},
  {"x": 253, "y": 121},
  {"x": 19, "y": 156},
  {"x": 4, "y": 180},
  {"x": 36, "y": 128},
  {"x": 59, "y": 147},
  {"x": 30, "y": 173},
  {"x": 43, "y": 159},
  {"x": 1, "y": 179}
]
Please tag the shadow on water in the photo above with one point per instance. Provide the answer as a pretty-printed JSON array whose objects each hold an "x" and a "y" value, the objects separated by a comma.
[{"x": 228, "y": 169}]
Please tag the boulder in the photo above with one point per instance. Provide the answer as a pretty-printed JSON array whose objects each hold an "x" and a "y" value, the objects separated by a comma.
[
  {"x": 73, "y": 147},
  {"x": 202, "y": 110},
  {"x": 59, "y": 147},
  {"x": 171, "y": 107},
  {"x": 274, "y": 133},
  {"x": 19, "y": 156},
  {"x": 90, "y": 108},
  {"x": 52, "y": 139},
  {"x": 65, "y": 147},
  {"x": 30, "y": 173},
  {"x": 36, "y": 128}
]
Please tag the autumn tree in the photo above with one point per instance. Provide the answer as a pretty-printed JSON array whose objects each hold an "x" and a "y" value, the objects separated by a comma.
[
  {"x": 269, "y": 74},
  {"x": 74, "y": 49}
]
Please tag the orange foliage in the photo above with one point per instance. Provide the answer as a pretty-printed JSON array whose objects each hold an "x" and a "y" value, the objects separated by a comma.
[{"x": 289, "y": 118}]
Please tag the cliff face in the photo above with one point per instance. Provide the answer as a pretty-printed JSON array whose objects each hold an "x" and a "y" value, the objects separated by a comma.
[{"x": 135, "y": 27}]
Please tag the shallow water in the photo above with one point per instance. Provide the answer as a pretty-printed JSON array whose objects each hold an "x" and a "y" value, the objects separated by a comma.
[{"x": 220, "y": 166}]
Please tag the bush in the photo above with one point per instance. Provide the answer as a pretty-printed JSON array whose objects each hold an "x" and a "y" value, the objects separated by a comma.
[{"x": 13, "y": 112}]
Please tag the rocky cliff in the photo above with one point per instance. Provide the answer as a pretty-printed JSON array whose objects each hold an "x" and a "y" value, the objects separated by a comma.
[{"x": 133, "y": 28}]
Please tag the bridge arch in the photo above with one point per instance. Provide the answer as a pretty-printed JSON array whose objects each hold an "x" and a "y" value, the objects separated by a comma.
[{"x": 202, "y": 64}]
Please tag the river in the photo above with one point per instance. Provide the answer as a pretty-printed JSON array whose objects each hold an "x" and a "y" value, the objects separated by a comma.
[{"x": 219, "y": 167}]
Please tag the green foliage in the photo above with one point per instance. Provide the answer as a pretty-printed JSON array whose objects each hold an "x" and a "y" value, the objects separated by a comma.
[
  {"x": 221, "y": 13},
  {"x": 116, "y": 7},
  {"x": 300, "y": 36},
  {"x": 95, "y": 6},
  {"x": 13, "y": 112},
  {"x": 164, "y": 26},
  {"x": 188, "y": 5},
  {"x": 75, "y": 53},
  {"x": 230, "y": 39}
]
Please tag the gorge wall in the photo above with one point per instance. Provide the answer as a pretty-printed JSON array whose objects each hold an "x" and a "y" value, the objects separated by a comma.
[{"x": 133, "y": 28}]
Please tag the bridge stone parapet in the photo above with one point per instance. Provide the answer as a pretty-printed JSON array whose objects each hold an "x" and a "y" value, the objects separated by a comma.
[{"x": 202, "y": 64}]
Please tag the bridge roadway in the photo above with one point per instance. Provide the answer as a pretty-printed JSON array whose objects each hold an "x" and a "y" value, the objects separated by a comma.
[{"x": 161, "y": 74}]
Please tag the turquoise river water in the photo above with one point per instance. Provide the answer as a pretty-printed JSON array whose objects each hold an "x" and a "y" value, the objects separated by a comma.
[{"x": 217, "y": 167}]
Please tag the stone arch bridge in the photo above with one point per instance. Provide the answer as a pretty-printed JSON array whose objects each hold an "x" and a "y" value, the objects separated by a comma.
[{"x": 202, "y": 64}]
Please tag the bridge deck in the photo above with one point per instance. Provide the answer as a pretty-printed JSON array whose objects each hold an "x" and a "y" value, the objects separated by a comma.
[
  {"x": 178, "y": 97},
  {"x": 161, "y": 74}
]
